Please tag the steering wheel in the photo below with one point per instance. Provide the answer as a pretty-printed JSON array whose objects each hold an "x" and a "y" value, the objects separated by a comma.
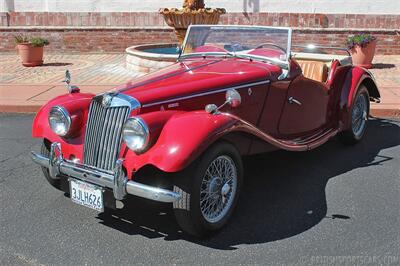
[{"x": 273, "y": 45}]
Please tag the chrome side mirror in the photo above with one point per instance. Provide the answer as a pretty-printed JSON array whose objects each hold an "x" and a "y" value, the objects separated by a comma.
[{"x": 233, "y": 98}]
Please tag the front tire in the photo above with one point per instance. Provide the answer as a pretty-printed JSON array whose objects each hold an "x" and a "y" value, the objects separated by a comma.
[
  {"x": 45, "y": 151},
  {"x": 359, "y": 118},
  {"x": 210, "y": 190}
]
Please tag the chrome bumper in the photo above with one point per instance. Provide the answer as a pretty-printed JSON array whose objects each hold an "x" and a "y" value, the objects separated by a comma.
[{"x": 115, "y": 180}]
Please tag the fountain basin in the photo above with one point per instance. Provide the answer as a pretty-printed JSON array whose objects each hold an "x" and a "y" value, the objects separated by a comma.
[{"x": 150, "y": 57}]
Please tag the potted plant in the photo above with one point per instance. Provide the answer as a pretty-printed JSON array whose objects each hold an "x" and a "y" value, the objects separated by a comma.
[
  {"x": 362, "y": 49},
  {"x": 31, "y": 50}
]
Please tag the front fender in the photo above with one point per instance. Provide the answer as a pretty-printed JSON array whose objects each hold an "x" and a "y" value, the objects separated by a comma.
[
  {"x": 182, "y": 139},
  {"x": 354, "y": 78},
  {"x": 185, "y": 136},
  {"x": 75, "y": 103}
]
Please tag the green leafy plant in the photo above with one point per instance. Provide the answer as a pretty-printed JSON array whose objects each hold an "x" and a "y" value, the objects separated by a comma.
[
  {"x": 38, "y": 42},
  {"x": 21, "y": 39},
  {"x": 34, "y": 41},
  {"x": 360, "y": 39},
  {"x": 193, "y": 4}
]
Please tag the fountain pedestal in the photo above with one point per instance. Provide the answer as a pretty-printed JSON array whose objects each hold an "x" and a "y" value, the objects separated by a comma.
[{"x": 181, "y": 19}]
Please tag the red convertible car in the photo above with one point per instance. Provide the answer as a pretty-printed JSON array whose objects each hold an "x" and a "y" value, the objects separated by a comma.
[{"x": 178, "y": 135}]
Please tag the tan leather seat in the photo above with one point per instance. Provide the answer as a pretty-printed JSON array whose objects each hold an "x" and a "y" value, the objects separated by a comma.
[{"x": 315, "y": 70}]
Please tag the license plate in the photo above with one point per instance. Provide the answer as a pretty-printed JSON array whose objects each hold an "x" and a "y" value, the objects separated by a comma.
[{"x": 86, "y": 194}]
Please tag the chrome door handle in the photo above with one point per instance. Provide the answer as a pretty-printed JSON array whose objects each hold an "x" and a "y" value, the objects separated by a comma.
[{"x": 292, "y": 100}]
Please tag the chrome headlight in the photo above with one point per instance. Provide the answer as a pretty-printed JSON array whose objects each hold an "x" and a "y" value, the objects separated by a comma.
[
  {"x": 136, "y": 134},
  {"x": 59, "y": 120}
]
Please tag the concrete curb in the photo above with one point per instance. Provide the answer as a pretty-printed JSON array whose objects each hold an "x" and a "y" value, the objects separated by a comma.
[
  {"x": 385, "y": 113},
  {"x": 375, "y": 112},
  {"x": 19, "y": 108}
]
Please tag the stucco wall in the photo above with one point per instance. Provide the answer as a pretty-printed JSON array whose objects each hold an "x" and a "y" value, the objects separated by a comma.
[{"x": 286, "y": 6}]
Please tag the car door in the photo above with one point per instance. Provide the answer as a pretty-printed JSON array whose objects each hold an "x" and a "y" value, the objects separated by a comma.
[{"x": 305, "y": 108}]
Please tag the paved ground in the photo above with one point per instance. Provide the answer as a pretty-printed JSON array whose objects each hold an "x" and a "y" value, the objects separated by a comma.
[
  {"x": 335, "y": 205},
  {"x": 26, "y": 89},
  {"x": 87, "y": 69}
]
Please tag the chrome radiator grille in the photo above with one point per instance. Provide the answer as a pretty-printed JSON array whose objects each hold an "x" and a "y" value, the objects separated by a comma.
[{"x": 103, "y": 134}]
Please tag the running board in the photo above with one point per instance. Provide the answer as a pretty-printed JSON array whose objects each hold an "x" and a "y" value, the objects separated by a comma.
[
  {"x": 289, "y": 145},
  {"x": 313, "y": 142}
]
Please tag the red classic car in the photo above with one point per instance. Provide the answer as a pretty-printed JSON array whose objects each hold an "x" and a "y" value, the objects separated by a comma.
[{"x": 178, "y": 135}]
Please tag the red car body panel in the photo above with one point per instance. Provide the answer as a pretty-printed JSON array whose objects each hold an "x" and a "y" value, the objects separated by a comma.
[
  {"x": 197, "y": 76},
  {"x": 297, "y": 120},
  {"x": 77, "y": 105},
  {"x": 173, "y": 99}
]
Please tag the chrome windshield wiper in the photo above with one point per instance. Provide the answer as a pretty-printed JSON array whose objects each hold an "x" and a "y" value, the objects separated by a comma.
[
  {"x": 278, "y": 62},
  {"x": 206, "y": 54}
]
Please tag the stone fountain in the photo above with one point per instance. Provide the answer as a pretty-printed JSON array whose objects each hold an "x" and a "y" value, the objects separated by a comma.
[
  {"x": 150, "y": 57},
  {"x": 192, "y": 12}
]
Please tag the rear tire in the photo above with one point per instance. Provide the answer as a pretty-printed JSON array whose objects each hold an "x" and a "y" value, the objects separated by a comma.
[
  {"x": 45, "y": 151},
  {"x": 210, "y": 190},
  {"x": 359, "y": 118}
]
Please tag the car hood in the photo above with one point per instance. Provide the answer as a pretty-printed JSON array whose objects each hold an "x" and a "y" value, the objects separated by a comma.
[{"x": 197, "y": 76}]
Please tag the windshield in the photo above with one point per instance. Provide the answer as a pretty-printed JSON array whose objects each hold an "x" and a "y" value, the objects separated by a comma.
[{"x": 268, "y": 43}]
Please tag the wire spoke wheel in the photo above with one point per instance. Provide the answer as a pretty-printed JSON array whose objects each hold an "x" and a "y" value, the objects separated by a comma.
[
  {"x": 359, "y": 115},
  {"x": 210, "y": 189},
  {"x": 357, "y": 118},
  {"x": 218, "y": 189}
]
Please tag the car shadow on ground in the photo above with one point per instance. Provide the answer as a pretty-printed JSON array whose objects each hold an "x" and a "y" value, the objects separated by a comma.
[{"x": 283, "y": 193}]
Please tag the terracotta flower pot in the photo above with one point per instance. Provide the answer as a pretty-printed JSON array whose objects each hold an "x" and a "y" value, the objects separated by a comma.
[
  {"x": 30, "y": 55},
  {"x": 363, "y": 56}
]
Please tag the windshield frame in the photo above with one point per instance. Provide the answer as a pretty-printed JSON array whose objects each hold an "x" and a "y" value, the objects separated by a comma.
[{"x": 281, "y": 63}]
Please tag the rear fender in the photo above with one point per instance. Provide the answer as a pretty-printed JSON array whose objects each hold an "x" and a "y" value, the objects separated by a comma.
[{"x": 355, "y": 77}]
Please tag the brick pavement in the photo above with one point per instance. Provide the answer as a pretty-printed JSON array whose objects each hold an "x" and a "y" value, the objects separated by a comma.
[{"x": 26, "y": 89}]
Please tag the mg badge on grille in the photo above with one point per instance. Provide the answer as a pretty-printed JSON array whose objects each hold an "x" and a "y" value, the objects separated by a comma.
[{"x": 107, "y": 99}]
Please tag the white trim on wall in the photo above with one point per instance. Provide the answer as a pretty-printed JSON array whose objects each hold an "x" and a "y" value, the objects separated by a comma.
[{"x": 286, "y": 6}]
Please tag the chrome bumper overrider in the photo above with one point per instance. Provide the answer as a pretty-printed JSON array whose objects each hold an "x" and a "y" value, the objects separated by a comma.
[{"x": 115, "y": 180}]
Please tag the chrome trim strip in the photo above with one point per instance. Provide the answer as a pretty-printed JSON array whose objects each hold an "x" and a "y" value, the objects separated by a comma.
[
  {"x": 207, "y": 93},
  {"x": 283, "y": 144},
  {"x": 118, "y": 100},
  {"x": 115, "y": 180}
]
